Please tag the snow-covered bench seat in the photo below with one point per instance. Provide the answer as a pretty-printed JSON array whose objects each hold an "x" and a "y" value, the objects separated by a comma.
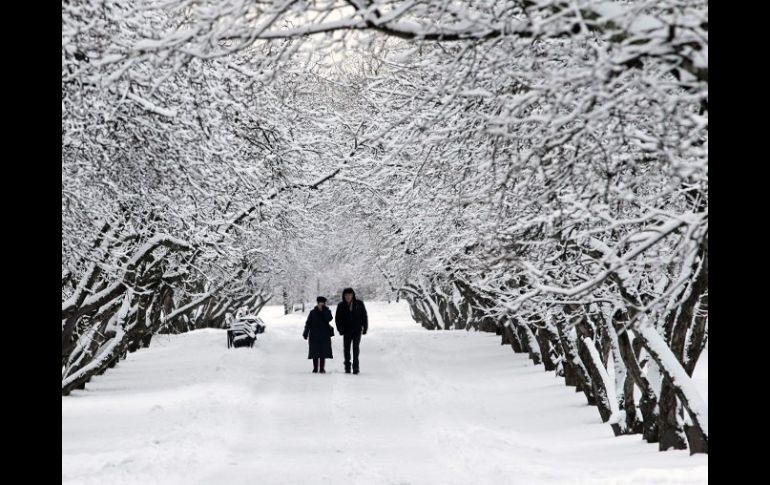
[{"x": 243, "y": 332}]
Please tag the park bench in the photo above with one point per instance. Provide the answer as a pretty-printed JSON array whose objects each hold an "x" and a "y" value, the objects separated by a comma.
[{"x": 243, "y": 332}]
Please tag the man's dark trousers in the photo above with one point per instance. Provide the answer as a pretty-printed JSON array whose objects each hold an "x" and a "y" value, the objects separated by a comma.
[{"x": 354, "y": 339}]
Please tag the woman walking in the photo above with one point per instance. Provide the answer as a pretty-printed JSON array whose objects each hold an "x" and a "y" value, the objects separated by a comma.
[{"x": 319, "y": 335}]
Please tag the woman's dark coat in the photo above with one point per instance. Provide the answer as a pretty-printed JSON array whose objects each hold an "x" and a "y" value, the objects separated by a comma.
[{"x": 318, "y": 334}]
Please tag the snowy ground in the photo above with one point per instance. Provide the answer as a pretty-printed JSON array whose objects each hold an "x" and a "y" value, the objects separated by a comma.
[{"x": 427, "y": 408}]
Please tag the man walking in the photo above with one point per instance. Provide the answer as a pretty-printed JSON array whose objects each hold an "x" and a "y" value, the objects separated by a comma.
[{"x": 352, "y": 322}]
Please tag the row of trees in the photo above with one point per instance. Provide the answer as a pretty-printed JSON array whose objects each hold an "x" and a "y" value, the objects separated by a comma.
[
  {"x": 182, "y": 179},
  {"x": 536, "y": 169},
  {"x": 554, "y": 192}
]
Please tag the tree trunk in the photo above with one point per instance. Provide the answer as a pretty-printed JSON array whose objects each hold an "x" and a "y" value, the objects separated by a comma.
[
  {"x": 681, "y": 384},
  {"x": 569, "y": 345}
]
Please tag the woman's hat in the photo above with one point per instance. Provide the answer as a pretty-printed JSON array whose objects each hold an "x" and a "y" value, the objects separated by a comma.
[{"x": 320, "y": 299}]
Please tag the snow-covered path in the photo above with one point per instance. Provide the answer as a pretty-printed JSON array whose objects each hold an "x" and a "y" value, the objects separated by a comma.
[{"x": 428, "y": 408}]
